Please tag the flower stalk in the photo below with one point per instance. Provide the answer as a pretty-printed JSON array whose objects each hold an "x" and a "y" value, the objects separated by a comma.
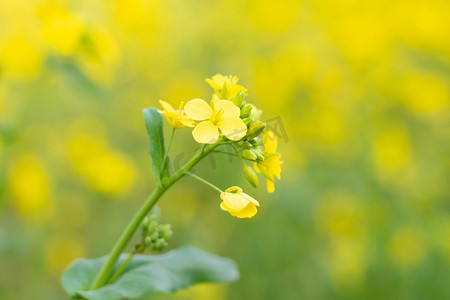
[{"x": 127, "y": 234}]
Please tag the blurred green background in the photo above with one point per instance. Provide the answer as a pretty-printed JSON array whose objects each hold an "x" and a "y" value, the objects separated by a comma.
[{"x": 362, "y": 88}]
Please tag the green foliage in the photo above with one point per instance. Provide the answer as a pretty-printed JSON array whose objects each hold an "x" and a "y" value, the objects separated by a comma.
[
  {"x": 154, "y": 125},
  {"x": 146, "y": 274}
]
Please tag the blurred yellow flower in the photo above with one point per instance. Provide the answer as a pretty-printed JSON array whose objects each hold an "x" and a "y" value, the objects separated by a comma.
[
  {"x": 60, "y": 29},
  {"x": 392, "y": 152},
  {"x": 225, "y": 87},
  {"x": 272, "y": 164},
  {"x": 106, "y": 170},
  {"x": 176, "y": 118},
  {"x": 237, "y": 203},
  {"x": 20, "y": 58},
  {"x": 30, "y": 187},
  {"x": 408, "y": 247},
  {"x": 222, "y": 114}
]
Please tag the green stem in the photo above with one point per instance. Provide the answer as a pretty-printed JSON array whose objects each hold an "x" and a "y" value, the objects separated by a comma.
[
  {"x": 238, "y": 154},
  {"x": 232, "y": 154},
  {"x": 121, "y": 268},
  {"x": 125, "y": 237},
  {"x": 204, "y": 181}
]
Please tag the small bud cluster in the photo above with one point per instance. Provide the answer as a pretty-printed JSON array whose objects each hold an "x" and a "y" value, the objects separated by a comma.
[{"x": 155, "y": 236}]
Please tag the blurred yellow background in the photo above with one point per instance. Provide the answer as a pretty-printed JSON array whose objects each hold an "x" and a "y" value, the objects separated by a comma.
[{"x": 362, "y": 89}]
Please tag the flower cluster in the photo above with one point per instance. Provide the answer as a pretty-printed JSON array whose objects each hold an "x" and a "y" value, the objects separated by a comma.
[
  {"x": 154, "y": 235},
  {"x": 227, "y": 119}
]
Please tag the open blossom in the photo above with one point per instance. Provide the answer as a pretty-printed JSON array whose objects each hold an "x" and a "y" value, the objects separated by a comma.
[
  {"x": 221, "y": 117},
  {"x": 272, "y": 164},
  {"x": 237, "y": 203},
  {"x": 225, "y": 86},
  {"x": 176, "y": 118}
]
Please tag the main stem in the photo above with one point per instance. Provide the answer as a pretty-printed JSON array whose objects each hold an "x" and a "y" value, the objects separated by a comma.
[{"x": 125, "y": 237}]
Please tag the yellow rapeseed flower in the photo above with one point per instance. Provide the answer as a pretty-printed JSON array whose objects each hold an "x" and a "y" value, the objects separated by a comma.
[
  {"x": 222, "y": 114},
  {"x": 271, "y": 166},
  {"x": 225, "y": 86},
  {"x": 237, "y": 203},
  {"x": 176, "y": 118}
]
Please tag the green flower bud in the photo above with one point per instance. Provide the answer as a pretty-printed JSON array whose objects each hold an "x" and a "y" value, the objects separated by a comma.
[
  {"x": 148, "y": 241},
  {"x": 255, "y": 130},
  {"x": 249, "y": 154},
  {"x": 154, "y": 236},
  {"x": 245, "y": 112},
  {"x": 239, "y": 99},
  {"x": 251, "y": 176},
  {"x": 160, "y": 244},
  {"x": 248, "y": 121},
  {"x": 259, "y": 155},
  {"x": 145, "y": 224},
  {"x": 246, "y": 145},
  {"x": 165, "y": 231},
  {"x": 152, "y": 226}
]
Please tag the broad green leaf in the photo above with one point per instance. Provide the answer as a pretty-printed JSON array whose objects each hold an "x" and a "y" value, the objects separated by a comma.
[
  {"x": 154, "y": 125},
  {"x": 146, "y": 274}
]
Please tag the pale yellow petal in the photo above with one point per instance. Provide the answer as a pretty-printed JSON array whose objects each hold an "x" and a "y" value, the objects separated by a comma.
[
  {"x": 198, "y": 110},
  {"x": 248, "y": 212},
  {"x": 250, "y": 198},
  {"x": 234, "y": 202},
  {"x": 270, "y": 186},
  {"x": 166, "y": 106},
  {"x": 234, "y": 129},
  {"x": 270, "y": 142},
  {"x": 205, "y": 133},
  {"x": 230, "y": 110},
  {"x": 233, "y": 189},
  {"x": 219, "y": 79},
  {"x": 188, "y": 122}
]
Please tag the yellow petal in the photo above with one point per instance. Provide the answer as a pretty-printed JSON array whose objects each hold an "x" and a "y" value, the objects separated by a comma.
[
  {"x": 273, "y": 165},
  {"x": 230, "y": 110},
  {"x": 188, "y": 122},
  {"x": 166, "y": 106},
  {"x": 205, "y": 133},
  {"x": 256, "y": 167},
  {"x": 270, "y": 142},
  {"x": 233, "y": 189},
  {"x": 234, "y": 202},
  {"x": 250, "y": 198},
  {"x": 234, "y": 129},
  {"x": 270, "y": 186},
  {"x": 248, "y": 212},
  {"x": 198, "y": 110}
]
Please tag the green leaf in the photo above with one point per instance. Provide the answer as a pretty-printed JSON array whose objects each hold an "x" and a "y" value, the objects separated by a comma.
[
  {"x": 154, "y": 125},
  {"x": 146, "y": 274}
]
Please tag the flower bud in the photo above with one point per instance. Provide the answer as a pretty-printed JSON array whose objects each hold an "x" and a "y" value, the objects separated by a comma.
[
  {"x": 246, "y": 145},
  {"x": 154, "y": 236},
  {"x": 249, "y": 154},
  {"x": 165, "y": 231},
  {"x": 255, "y": 130},
  {"x": 239, "y": 99},
  {"x": 152, "y": 226},
  {"x": 160, "y": 244},
  {"x": 245, "y": 112},
  {"x": 145, "y": 224},
  {"x": 148, "y": 241},
  {"x": 259, "y": 155},
  {"x": 248, "y": 121},
  {"x": 251, "y": 176}
]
